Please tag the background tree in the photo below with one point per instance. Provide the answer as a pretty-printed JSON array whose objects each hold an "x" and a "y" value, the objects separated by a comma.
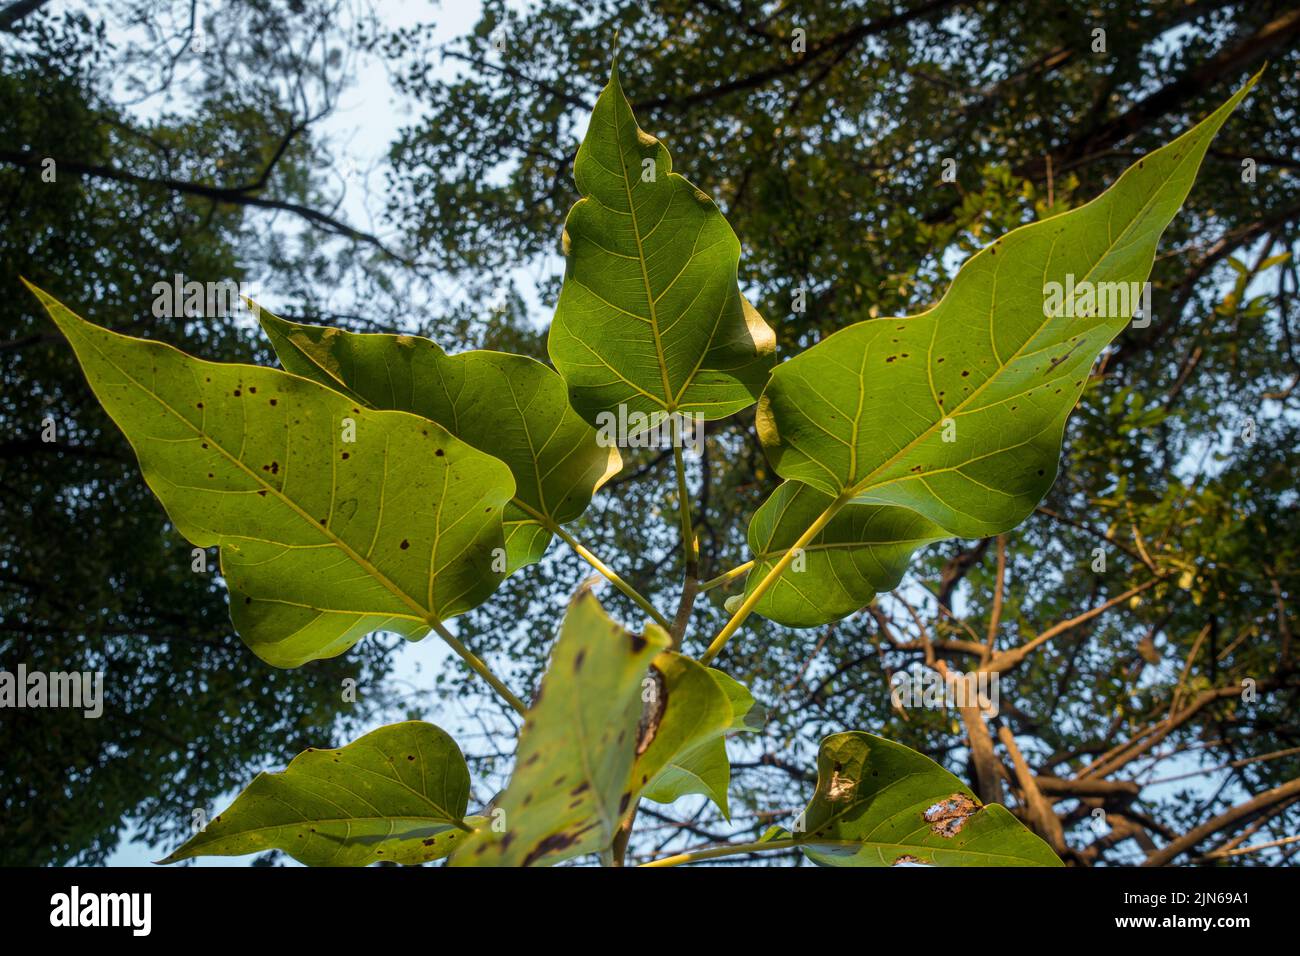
[{"x": 103, "y": 204}]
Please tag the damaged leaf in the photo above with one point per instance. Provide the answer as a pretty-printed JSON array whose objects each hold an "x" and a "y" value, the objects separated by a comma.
[
  {"x": 688, "y": 754},
  {"x": 878, "y": 803},
  {"x": 703, "y": 767},
  {"x": 569, "y": 790}
]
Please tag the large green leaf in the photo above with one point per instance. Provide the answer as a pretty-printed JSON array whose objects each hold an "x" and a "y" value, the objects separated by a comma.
[
  {"x": 323, "y": 539},
  {"x": 569, "y": 789},
  {"x": 957, "y": 413},
  {"x": 688, "y": 754},
  {"x": 877, "y": 803},
  {"x": 864, "y": 549},
  {"x": 397, "y": 794},
  {"x": 650, "y": 315},
  {"x": 510, "y": 406}
]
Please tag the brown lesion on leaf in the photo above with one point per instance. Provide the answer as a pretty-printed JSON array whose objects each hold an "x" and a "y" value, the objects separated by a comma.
[
  {"x": 554, "y": 844},
  {"x": 653, "y": 712},
  {"x": 841, "y": 786},
  {"x": 905, "y": 859},
  {"x": 949, "y": 815}
]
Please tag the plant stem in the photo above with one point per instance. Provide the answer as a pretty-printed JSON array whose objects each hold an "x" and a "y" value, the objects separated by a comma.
[
  {"x": 690, "y": 547},
  {"x": 769, "y": 579},
  {"x": 476, "y": 665},
  {"x": 726, "y": 578},
  {"x": 621, "y": 839},
  {"x": 609, "y": 573},
  {"x": 731, "y": 849}
]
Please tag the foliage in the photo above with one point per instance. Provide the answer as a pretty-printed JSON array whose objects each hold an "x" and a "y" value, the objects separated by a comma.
[
  {"x": 336, "y": 517},
  {"x": 828, "y": 162}
]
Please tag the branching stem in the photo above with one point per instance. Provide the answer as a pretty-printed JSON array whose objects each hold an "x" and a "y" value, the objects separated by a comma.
[{"x": 769, "y": 579}]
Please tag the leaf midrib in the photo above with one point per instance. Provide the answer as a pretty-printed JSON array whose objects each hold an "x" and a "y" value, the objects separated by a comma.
[
  {"x": 449, "y": 821},
  {"x": 866, "y": 482},
  {"x": 669, "y": 401}
]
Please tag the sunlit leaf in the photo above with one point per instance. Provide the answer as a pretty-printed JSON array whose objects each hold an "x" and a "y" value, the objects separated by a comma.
[
  {"x": 957, "y": 413},
  {"x": 650, "y": 315}
]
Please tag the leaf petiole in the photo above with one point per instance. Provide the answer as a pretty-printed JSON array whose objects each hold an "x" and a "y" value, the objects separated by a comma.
[
  {"x": 731, "y": 849},
  {"x": 769, "y": 579},
  {"x": 478, "y": 667},
  {"x": 607, "y": 572},
  {"x": 726, "y": 578}
]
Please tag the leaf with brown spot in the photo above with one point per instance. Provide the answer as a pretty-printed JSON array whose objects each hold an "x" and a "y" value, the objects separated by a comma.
[
  {"x": 510, "y": 406},
  {"x": 689, "y": 754},
  {"x": 310, "y": 545},
  {"x": 573, "y": 735},
  {"x": 980, "y": 391},
  {"x": 878, "y": 803}
]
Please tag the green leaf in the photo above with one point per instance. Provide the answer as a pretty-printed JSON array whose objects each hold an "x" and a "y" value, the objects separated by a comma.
[
  {"x": 689, "y": 754},
  {"x": 878, "y": 803},
  {"x": 864, "y": 550},
  {"x": 688, "y": 709},
  {"x": 650, "y": 314},
  {"x": 957, "y": 413},
  {"x": 322, "y": 539},
  {"x": 746, "y": 713},
  {"x": 569, "y": 789},
  {"x": 398, "y": 794},
  {"x": 510, "y": 406}
]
